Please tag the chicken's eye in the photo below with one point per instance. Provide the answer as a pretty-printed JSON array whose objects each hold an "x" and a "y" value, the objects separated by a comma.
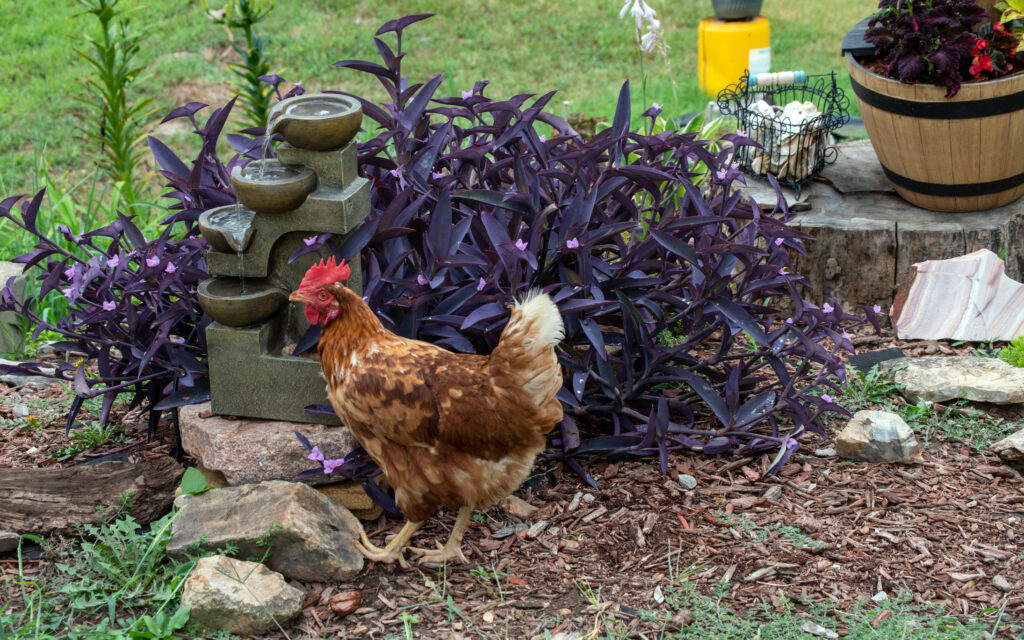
[{"x": 321, "y": 295}]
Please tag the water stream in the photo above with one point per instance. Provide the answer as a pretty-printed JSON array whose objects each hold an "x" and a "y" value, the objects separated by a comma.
[{"x": 241, "y": 270}]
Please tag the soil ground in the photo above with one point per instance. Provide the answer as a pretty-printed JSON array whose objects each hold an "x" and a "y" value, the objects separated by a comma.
[{"x": 947, "y": 530}]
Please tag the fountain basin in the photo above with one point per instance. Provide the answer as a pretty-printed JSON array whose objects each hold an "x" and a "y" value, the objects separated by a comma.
[
  {"x": 279, "y": 189},
  {"x": 228, "y": 228},
  {"x": 222, "y": 299},
  {"x": 316, "y": 121}
]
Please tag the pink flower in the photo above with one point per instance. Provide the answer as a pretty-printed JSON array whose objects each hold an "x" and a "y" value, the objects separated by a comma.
[
  {"x": 113, "y": 262},
  {"x": 421, "y": 279},
  {"x": 789, "y": 320},
  {"x": 783, "y": 271},
  {"x": 69, "y": 273},
  {"x": 310, "y": 241},
  {"x": 170, "y": 268},
  {"x": 152, "y": 261},
  {"x": 778, "y": 242},
  {"x": 436, "y": 175},
  {"x": 847, "y": 334},
  {"x": 520, "y": 244},
  {"x": 331, "y": 465},
  {"x": 466, "y": 95},
  {"x": 826, "y": 398},
  {"x": 316, "y": 455},
  {"x": 656, "y": 106},
  {"x": 543, "y": 138},
  {"x": 827, "y": 308},
  {"x": 68, "y": 292},
  {"x": 394, "y": 172},
  {"x": 480, "y": 286},
  {"x": 109, "y": 305},
  {"x": 876, "y": 309},
  {"x": 177, "y": 339},
  {"x": 572, "y": 243}
]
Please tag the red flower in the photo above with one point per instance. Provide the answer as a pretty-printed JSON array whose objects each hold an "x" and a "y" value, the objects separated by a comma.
[
  {"x": 980, "y": 46},
  {"x": 981, "y": 63}
]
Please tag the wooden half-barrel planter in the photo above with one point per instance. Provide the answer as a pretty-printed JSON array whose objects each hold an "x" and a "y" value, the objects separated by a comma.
[{"x": 959, "y": 154}]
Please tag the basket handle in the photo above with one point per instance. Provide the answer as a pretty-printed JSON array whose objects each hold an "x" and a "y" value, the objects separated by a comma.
[{"x": 780, "y": 77}]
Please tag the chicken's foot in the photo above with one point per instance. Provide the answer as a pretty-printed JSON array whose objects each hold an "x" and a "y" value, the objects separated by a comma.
[
  {"x": 391, "y": 552},
  {"x": 452, "y": 549}
]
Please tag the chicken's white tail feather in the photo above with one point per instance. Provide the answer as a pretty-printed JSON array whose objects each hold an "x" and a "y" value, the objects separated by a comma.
[{"x": 539, "y": 310}]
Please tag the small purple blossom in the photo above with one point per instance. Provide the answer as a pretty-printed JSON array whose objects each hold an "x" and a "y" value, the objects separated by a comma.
[
  {"x": 520, "y": 244},
  {"x": 572, "y": 243},
  {"x": 422, "y": 280},
  {"x": 69, "y": 292},
  {"x": 394, "y": 173},
  {"x": 783, "y": 271},
  {"x": 316, "y": 455},
  {"x": 656, "y": 106},
  {"x": 877, "y": 309},
  {"x": 310, "y": 241},
  {"x": 113, "y": 262},
  {"x": 543, "y": 138},
  {"x": 466, "y": 95},
  {"x": 847, "y": 334},
  {"x": 789, "y": 320},
  {"x": 721, "y": 174},
  {"x": 827, "y": 398},
  {"x": 109, "y": 305},
  {"x": 778, "y": 242},
  {"x": 152, "y": 261},
  {"x": 170, "y": 268},
  {"x": 331, "y": 465},
  {"x": 177, "y": 339},
  {"x": 69, "y": 273},
  {"x": 827, "y": 308},
  {"x": 480, "y": 286},
  {"x": 436, "y": 175}
]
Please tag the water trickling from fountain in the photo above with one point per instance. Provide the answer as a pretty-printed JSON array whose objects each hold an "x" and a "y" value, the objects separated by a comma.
[{"x": 241, "y": 270}]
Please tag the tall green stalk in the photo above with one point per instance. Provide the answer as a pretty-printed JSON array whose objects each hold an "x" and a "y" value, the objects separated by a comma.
[
  {"x": 116, "y": 119},
  {"x": 242, "y": 16}
]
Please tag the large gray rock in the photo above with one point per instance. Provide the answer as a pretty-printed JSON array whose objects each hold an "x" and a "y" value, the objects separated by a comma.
[
  {"x": 937, "y": 379},
  {"x": 878, "y": 436},
  {"x": 254, "y": 450},
  {"x": 10, "y": 322},
  {"x": 242, "y": 597},
  {"x": 309, "y": 536},
  {"x": 1011, "y": 448}
]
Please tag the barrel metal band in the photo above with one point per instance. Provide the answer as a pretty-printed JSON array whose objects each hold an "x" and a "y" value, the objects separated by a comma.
[
  {"x": 954, "y": 190},
  {"x": 939, "y": 110}
]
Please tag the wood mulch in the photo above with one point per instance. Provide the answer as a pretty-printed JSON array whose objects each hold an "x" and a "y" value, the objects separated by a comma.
[{"x": 947, "y": 530}]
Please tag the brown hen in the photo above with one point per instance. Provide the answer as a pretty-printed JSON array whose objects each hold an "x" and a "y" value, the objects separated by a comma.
[{"x": 447, "y": 429}]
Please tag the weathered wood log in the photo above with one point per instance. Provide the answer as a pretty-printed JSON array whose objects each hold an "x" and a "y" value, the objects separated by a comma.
[{"x": 51, "y": 501}]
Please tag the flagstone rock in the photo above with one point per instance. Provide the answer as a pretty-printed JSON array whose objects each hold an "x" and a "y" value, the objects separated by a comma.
[
  {"x": 1011, "y": 448},
  {"x": 248, "y": 450},
  {"x": 975, "y": 378},
  {"x": 307, "y": 535},
  {"x": 242, "y": 597},
  {"x": 878, "y": 436}
]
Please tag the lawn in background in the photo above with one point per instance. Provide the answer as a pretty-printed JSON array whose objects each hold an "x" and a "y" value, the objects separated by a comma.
[{"x": 582, "y": 49}]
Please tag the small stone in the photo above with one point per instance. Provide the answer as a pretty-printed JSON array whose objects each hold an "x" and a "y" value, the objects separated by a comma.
[
  {"x": 536, "y": 529},
  {"x": 21, "y": 411},
  {"x": 1001, "y": 583},
  {"x": 827, "y": 452},
  {"x": 345, "y": 603},
  {"x": 974, "y": 378},
  {"x": 878, "y": 436},
  {"x": 818, "y": 630},
  {"x": 352, "y": 496},
  {"x": 242, "y": 597},
  {"x": 588, "y": 498},
  {"x": 310, "y": 537},
  {"x": 8, "y": 541},
  {"x": 517, "y": 507},
  {"x": 880, "y": 597},
  {"x": 488, "y": 617},
  {"x": 575, "y": 502},
  {"x": 773, "y": 492},
  {"x": 687, "y": 481},
  {"x": 35, "y": 382},
  {"x": 659, "y": 597},
  {"x": 508, "y": 530},
  {"x": 1011, "y": 448}
]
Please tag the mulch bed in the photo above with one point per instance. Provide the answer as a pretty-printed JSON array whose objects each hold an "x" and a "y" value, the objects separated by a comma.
[{"x": 947, "y": 530}]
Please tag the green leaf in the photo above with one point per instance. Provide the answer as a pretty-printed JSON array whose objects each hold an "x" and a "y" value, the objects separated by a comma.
[{"x": 193, "y": 482}]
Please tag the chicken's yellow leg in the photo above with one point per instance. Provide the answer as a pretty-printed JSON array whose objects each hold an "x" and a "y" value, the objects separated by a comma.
[
  {"x": 393, "y": 550},
  {"x": 452, "y": 550}
]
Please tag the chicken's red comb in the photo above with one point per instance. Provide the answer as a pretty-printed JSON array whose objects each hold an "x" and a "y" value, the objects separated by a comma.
[{"x": 325, "y": 273}]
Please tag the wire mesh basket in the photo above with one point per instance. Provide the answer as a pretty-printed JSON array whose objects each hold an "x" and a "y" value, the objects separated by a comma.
[{"x": 792, "y": 116}]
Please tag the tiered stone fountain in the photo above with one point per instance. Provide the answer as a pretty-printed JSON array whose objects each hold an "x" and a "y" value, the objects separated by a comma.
[{"x": 311, "y": 188}]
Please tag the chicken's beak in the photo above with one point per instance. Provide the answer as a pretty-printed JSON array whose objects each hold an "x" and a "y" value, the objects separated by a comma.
[{"x": 298, "y": 296}]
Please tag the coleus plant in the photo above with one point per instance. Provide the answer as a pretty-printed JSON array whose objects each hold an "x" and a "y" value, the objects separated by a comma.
[
  {"x": 671, "y": 294},
  {"x": 933, "y": 42}
]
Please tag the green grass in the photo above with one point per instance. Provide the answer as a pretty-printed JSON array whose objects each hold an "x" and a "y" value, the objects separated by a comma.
[{"x": 582, "y": 49}]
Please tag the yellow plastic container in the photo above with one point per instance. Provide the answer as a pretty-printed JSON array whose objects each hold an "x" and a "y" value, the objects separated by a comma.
[{"x": 728, "y": 48}]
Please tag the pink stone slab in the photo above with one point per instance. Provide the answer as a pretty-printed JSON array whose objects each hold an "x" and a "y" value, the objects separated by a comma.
[{"x": 965, "y": 298}]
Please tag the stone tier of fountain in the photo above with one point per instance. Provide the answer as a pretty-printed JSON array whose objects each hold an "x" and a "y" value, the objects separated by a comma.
[{"x": 308, "y": 190}]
